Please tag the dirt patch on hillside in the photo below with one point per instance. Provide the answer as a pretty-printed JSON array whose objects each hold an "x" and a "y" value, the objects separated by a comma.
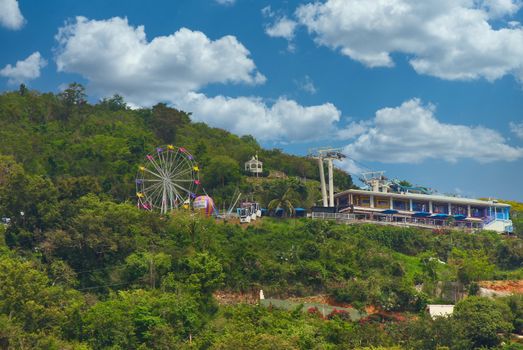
[
  {"x": 228, "y": 298},
  {"x": 515, "y": 287}
]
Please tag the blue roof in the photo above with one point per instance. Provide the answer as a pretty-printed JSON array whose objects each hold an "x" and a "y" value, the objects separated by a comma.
[
  {"x": 390, "y": 211},
  {"x": 440, "y": 216}
]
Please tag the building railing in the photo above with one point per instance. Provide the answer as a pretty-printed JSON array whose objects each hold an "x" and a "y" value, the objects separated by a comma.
[
  {"x": 397, "y": 220},
  {"x": 333, "y": 216},
  {"x": 488, "y": 220}
]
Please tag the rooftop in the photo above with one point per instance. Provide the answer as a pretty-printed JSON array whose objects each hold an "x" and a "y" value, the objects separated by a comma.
[
  {"x": 427, "y": 197},
  {"x": 440, "y": 310}
]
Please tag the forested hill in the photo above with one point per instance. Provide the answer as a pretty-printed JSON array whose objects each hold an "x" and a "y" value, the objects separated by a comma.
[
  {"x": 98, "y": 148},
  {"x": 82, "y": 267}
]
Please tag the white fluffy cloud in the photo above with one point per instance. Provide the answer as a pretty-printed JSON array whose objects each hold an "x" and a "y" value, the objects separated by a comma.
[
  {"x": 285, "y": 120},
  {"x": 25, "y": 70},
  {"x": 500, "y": 8},
  {"x": 449, "y": 39},
  {"x": 10, "y": 15},
  {"x": 411, "y": 133},
  {"x": 117, "y": 57},
  {"x": 517, "y": 129},
  {"x": 281, "y": 28}
]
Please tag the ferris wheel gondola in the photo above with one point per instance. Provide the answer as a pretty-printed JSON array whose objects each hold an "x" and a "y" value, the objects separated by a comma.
[{"x": 167, "y": 180}]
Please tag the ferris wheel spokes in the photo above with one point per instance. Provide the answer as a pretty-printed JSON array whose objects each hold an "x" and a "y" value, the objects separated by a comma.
[{"x": 167, "y": 180}]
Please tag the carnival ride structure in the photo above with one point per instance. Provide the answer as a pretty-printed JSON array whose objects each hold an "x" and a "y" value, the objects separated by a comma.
[{"x": 167, "y": 180}]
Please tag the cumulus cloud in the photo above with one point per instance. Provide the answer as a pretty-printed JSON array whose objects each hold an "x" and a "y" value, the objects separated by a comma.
[
  {"x": 352, "y": 130},
  {"x": 25, "y": 70},
  {"x": 411, "y": 133},
  {"x": 280, "y": 26},
  {"x": 517, "y": 129},
  {"x": 500, "y": 8},
  {"x": 449, "y": 39},
  {"x": 284, "y": 120},
  {"x": 10, "y": 15},
  {"x": 117, "y": 57}
]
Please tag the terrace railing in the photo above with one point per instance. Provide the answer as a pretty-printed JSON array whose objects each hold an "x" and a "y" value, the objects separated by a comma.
[{"x": 333, "y": 216}]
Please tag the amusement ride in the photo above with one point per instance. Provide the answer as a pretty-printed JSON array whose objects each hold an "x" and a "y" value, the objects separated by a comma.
[{"x": 167, "y": 180}]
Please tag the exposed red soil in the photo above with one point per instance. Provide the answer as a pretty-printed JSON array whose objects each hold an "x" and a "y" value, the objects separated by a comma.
[
  {"x": 515, "y": 287},
  {"x": 320, "y": 299},
  {"x": 228, "y": 298}
]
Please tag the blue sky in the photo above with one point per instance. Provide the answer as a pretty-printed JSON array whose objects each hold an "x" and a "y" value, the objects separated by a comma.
[{"x": 428, "y": 91}]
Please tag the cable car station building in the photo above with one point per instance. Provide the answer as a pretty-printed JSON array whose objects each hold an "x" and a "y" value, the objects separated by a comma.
[{"x": 424, "y": 210}]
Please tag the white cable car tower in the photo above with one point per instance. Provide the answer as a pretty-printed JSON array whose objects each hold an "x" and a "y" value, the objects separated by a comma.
[{"x": 327, "y": 154}]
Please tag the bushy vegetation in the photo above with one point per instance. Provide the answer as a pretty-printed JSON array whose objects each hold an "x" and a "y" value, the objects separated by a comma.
[
  {"x": 82, "y": 147},
  {"x": 82, "y": 268}
]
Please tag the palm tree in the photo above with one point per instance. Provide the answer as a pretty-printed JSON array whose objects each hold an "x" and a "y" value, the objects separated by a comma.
[{"x": 283, "y": 200}]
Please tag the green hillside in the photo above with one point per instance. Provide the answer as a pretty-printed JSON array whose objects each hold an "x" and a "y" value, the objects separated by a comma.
[
  {"x": 69, "y": 141},
  {"x": 81, "y": 267}
]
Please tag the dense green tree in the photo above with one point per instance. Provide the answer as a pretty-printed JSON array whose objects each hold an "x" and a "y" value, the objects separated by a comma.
[
  {"x": 73, "y": 95},
  {"x": 145, "y": 280},
  {"x": 146, "y": 268},
  {"x": 510, "y": 254},
  {"x": 30, "y": 201},
  {"x": 204, "y": 274},
  {"x": 141, "y": 319},
  {"x": 165, "y": 122},
  {"x": 97, "y": 234},
  {"x": 481, "y": 320},
  {"x": 471, "y": 265},
  {"x": 114, "y": 103},
  {"x": 27, "y": 297},
  {"x": 221, "y": 171}
]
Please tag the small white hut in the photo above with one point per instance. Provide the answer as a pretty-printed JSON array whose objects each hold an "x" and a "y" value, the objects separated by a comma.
[
  {"x": 440, "y": 310},
  {"x": 254, "y": 166}
]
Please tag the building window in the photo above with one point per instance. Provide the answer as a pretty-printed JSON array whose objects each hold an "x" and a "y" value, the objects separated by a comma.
[
  {"x": 362, "y": 201},
  {"x": 459, "y": 209},
  {"x": 477, "y": 212},
  {"x": 400, "y": 204},
  {"x": 440, "y": 208},
  {"x": 420, "y": 206},
  {"x": 382, "y": 203}
]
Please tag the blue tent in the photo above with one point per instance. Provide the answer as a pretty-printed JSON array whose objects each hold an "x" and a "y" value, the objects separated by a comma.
[
  {"x": 299, "y": 212},
  {"x": 421, "y": 214},
  {"x": 390, "y": 211},
  {"x": 279, "y": 212},
  {"x": 440, "y": 216},
  {"x": 460, "y": 217}
]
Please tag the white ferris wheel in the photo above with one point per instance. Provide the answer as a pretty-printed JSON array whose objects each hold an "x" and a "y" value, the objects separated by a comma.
[{"x": 167, "y": 180}]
